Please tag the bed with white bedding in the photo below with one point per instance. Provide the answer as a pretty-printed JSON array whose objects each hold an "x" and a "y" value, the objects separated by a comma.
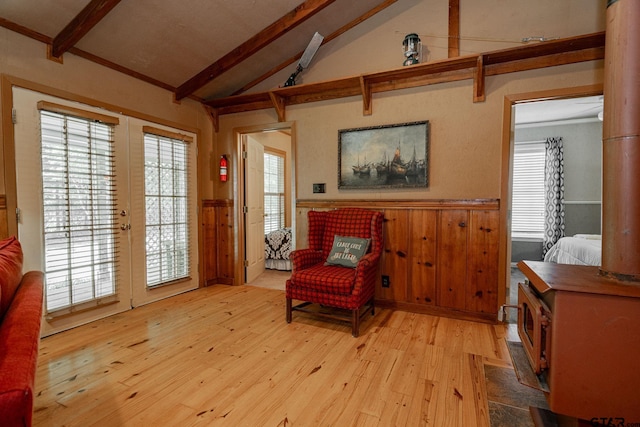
[{"x": 581, "y": 249}]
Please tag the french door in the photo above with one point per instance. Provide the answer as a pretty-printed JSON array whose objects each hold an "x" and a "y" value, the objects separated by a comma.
[{"x": 107, "y": 208}]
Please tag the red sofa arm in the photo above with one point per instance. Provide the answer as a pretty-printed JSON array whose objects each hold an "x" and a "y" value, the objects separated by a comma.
[
  {"x": 19, "y": 340},
  {"x": 304, "y": 258}
]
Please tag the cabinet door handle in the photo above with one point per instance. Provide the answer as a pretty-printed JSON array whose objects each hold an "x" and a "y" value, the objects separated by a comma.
[{"x": 462, "y": 224}]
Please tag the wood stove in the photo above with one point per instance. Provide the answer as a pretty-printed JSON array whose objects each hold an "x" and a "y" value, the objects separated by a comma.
[
  {"x": 581, "y": 333},
  {"x": 580, "y": 325}
]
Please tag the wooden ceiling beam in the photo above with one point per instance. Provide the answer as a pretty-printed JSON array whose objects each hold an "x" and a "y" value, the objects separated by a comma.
[
  {"x": 327, "y": 39},
  {"x": 27, "y": 32},
  {"x": 454, "y": 28},
  {"x": 478, "y": 81},
  {"x": 477, "y": 67},
  {"x": 280, "y": 27},
  {"x": 80, "y": 25}
]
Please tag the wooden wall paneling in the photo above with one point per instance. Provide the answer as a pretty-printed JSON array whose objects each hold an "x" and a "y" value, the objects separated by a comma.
[
  {"x": 4, "y": 226},
  {"x": 217, "y": 241},
  {"x": 482, "y": 284},
  {"x": 225, "y": 233},
  {"x": 441, "y": 256},
  {"x": 422, "y": 257},
  {"x": 452, "y": 258},
  {"x": 209, "y": 243},
  {"x": 395, "y": 260},
  {"x": 4, "y": 229}
]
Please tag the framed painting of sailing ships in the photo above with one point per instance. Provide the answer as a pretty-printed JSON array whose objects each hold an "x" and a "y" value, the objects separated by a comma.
[{"x": 389, "y": 156}]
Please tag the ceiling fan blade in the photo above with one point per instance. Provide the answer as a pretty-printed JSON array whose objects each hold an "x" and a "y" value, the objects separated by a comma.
[{"x": 311, "y": 50}]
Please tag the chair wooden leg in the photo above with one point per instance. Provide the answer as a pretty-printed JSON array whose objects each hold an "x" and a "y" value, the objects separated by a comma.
[
  {"x": 355, "y": 322},
  {"x": 288, "y": 310},
  {"x": 373, "y": 307}
]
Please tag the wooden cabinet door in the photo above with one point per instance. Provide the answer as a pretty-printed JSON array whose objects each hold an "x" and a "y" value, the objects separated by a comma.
[
  {"x": 452, "y": 258},
  {"x": 422, "y": 257},
  {"x": 482, "y": 286}
]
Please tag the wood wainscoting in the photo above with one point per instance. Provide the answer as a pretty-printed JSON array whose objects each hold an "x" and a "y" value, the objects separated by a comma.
[
  {"x": 4, "y": 225},
  {"x": 217, "y": 242},
  {"x": 440, "y": 256}
]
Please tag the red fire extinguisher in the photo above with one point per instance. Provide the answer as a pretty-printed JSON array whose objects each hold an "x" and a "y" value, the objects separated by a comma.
[{"x": 223, "y": 168}]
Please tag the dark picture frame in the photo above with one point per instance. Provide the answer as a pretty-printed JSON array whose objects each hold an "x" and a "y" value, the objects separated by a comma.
[{"x": 386, "y": 156}]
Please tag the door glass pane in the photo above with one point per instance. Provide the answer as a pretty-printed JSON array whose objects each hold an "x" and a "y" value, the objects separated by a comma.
[
  {"x": 167, "y": 232},
  {"x": 79, "y": 210}
]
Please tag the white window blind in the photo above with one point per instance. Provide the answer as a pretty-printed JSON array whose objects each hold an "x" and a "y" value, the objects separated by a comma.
[
  {"x": 274, "y": 202},
  {"x": 527, "y": 215},
  {"x": 79, "y": 196},
  {"x": 166, "y": 207}
]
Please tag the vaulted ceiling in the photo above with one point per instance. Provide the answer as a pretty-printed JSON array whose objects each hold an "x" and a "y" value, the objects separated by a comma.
[
  {"x": 205, "y": 49},
  {"x": 211, "y": 49}
]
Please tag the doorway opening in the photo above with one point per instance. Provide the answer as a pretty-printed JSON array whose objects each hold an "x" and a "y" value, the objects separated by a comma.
[
  {"x": 266, "y": 189},
  {"x": 575, "y": 117}
]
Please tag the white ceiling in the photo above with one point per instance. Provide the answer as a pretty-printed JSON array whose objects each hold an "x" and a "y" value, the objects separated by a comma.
[
  {"x": 172, "y": 41},
  {"x": 559, "y": 110}
]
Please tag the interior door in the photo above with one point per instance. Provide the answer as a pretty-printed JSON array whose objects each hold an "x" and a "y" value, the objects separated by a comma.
[{"x": 254, "y": 217}]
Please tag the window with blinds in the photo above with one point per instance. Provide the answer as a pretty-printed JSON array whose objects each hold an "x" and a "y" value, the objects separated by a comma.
[
  {"x": 166, "y": 169},
  {"x": 79, "y": 211},
  {"x": 527, "y": 215},
  {"x": 274, "y": 203}
]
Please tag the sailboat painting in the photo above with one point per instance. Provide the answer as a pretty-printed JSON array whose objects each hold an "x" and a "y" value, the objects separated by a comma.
[{"x": 387, "y": 156}]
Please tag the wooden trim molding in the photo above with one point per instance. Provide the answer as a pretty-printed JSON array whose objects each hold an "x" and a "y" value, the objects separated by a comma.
[
  {"x": 454, "y": 28},
  {"x": 218, "y": 203},
  {"x": 436, "y": 311},
  {"x": 484, "y": 204},
  {"x": 476, "y": 67},
  {"x": 167, "y": 134},
  {"x": 77, "y": 112},
  {"x": 4, "y": 232}
]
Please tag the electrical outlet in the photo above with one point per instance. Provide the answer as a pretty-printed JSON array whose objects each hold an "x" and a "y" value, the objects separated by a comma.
[{"x": 385, "y": 281}]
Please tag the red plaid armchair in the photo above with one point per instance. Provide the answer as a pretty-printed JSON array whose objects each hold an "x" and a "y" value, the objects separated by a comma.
[{"x": 336, "y": 287}]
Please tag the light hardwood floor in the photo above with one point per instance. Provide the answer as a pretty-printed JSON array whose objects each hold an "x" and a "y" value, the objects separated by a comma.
[{"x": 224, "y": 355}]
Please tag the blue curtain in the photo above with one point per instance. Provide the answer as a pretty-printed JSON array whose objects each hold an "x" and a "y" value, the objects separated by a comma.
[{"x": 554, "y": 193}]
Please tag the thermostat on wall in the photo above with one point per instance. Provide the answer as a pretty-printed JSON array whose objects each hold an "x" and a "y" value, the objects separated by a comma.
[{"x": 318, "y": 188}]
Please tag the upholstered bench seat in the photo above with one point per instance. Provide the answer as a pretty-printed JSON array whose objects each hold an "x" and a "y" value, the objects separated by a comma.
[{"x": 328, "y": 279}]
